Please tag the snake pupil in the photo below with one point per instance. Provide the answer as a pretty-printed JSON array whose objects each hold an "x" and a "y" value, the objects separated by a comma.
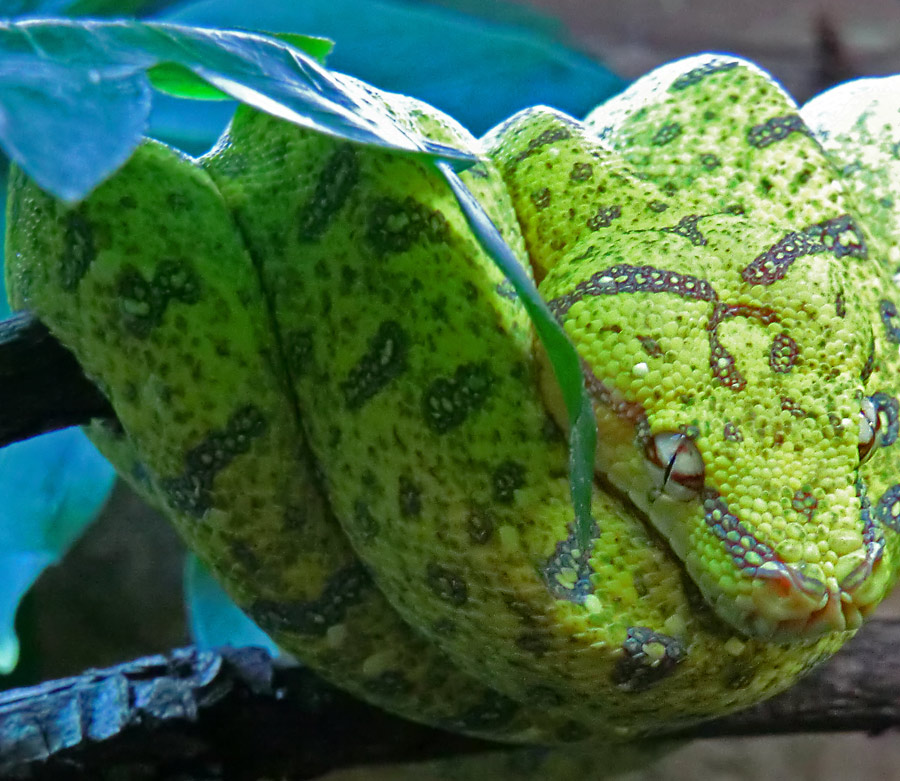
[{"x": 675, "y": 462}]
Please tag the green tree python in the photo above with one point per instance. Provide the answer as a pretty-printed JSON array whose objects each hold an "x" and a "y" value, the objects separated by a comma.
[{"x": 340, "y": 402}]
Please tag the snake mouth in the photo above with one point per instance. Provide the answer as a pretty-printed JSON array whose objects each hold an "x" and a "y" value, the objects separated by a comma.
[{"x": 788, "y": 605}]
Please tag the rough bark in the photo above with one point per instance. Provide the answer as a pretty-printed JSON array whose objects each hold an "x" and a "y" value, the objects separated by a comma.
[{"x": 234, "y": 714}]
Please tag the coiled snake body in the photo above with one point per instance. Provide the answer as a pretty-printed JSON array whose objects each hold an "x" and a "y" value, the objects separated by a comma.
[{"x": 341, "y": 404}]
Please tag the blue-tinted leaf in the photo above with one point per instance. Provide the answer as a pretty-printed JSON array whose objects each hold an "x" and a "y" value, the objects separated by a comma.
[
  {"x": 478, "y": 72},
  {"x": 50, "y": 69},
  {"x": 51, "y": 488},
  {"x": 180, "y": 82},
  {"x": 70, "y": 125},
  {"x": 214, "y": 619}
]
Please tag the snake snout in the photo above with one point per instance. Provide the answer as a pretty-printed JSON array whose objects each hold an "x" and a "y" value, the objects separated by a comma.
[{"x": 794, "y": 601}]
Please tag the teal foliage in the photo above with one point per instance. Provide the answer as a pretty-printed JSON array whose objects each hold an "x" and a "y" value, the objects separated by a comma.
[
  {"x": 80, "y": 93},
  {"x": 214, "y": 619},
  {"x": 51, "y": 487},
  {"x": 479, "y": 72}
]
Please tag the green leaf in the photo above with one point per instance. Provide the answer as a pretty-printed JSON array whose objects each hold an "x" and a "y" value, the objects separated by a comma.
[
  {"x": 560, "y": 351},
  {"x": 315, "y": 46},
  {"x": 80, "y": 93},
  {"x": 180, "y": 82}
]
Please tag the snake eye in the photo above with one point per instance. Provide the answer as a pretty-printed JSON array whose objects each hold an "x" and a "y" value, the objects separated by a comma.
[
  {"x": 869, "y": 429},
  {"x": 676, "y": 464}
]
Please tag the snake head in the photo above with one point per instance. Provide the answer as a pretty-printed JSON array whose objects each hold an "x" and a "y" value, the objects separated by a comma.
[
  {"x": 728, "y": 305},
  {"x": 761, "y": 487}
]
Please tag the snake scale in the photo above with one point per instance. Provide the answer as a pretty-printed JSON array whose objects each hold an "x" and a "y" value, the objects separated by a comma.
[{"x": 341, "y": 404}]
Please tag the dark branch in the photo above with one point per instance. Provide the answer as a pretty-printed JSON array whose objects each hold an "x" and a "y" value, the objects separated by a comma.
[
  {"x": 42, "y": 386},
  {"x": 235, "y": 715}
]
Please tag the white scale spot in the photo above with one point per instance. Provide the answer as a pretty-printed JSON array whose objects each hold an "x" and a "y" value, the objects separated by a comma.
[{"x": 641, "y": 369}]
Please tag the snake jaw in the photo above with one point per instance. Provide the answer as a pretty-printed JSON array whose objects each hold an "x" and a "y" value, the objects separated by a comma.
[{"x": 787, "y": 604}]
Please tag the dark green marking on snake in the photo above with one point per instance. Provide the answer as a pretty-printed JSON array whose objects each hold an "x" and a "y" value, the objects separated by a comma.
[
  {"x": 687, "y": 228},
  {"x": 78, "y": 249},
  {"x": 839, "y": 235},
  {"x": 666, "y": 134},
  {"x": 389, "y": 684},
  {"x": 480, "y": 525},
  {"x": 776, "y": 129},
  {"x": 336, "y": 181},
  {"x": 190, "y": 492},
  {"x": 409, "y": 497},
  {"x": 543, "y": 139},
  {"x": 710, "y": 161},
  {"x": 783, "y": 354},
  {"x": 640, "y": 668},
  {"x": 541, "y": 198},
  {"x": 384, "y": 360},
  {"x": 395, "y": 226},
  {"x": 543, "y": 697},
  {"x": 604, "y": 217},
  {"x": 298, "y": 348},
  {"x": 493, "y": 713},
  {"x": 696, "y": 75},
  {"x": 448, "y": 585},
  {"x": 347, "y": 587},
  {"x": 738, "y": 673},
  {"x": 244, "y": 554},
  {"x": 448, "y": 401},
  {"x": 534, "y": 640},
  {"x": 506, "y": 479},
  {"x": 889, "y": 318},
  {"x": 581, "y": 172},
  {"x": 568, "y": 571},
  {"x": 366, "y": 523},
  {"x": 143, "y": 302}
]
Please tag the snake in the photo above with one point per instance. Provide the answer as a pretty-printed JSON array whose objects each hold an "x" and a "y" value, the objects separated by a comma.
[{"x": 324, "y": 382}]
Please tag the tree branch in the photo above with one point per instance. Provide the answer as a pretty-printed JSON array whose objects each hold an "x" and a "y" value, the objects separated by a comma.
[
  {"x": 235, "y": 715},
  {"x": 42, "y": 386}
]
